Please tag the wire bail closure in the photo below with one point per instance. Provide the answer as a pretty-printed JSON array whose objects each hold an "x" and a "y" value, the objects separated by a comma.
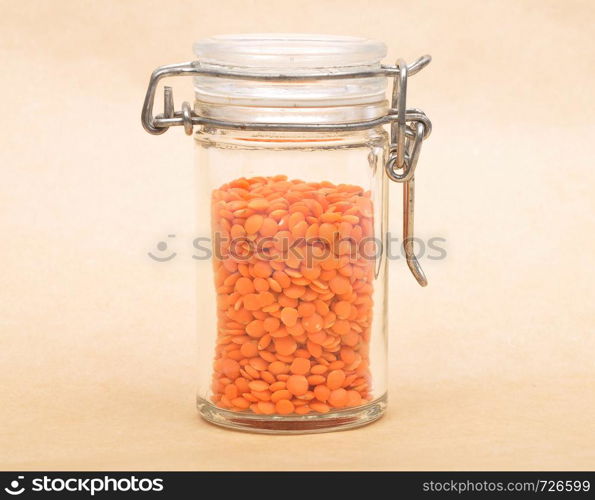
[{"x": 408, "y": 127}]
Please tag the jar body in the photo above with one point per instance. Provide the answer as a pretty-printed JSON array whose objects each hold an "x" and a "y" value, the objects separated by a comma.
[{"x": 291, "y": 279}]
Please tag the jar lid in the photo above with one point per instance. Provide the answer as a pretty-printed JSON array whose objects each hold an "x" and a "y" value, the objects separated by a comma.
[
  {"x": 352, "y": 99},
  {"x": 290, "y": 53}
]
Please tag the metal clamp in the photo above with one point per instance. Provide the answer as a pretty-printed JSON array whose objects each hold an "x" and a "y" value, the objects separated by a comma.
[
  {"x": 403, "y": 156},
  {"x": 408, "y": 127}
]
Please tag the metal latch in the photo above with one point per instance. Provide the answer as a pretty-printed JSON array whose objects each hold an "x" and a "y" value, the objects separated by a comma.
[{"x": 409, "y": 127}]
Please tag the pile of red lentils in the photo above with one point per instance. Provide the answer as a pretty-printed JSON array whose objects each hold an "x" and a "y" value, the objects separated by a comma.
[{"x": 294, "y": 299}]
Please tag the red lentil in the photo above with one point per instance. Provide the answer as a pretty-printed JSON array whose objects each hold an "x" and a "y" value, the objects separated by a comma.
[{"x": 293, "y": 331}]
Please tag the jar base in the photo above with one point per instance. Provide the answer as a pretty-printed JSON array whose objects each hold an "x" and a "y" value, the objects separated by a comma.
[{"x": 293, "y": 424}]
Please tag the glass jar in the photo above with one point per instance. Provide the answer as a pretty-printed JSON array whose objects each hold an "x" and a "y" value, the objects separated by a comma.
[{"x": 293, "y": 207}]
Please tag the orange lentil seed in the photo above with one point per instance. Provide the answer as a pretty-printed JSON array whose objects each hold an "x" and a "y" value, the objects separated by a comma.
[
  {"x": 297, "y": 385},
  {"x": 284, "y": 407}
]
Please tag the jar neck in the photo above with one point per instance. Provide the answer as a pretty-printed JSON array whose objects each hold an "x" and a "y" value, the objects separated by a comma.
[
  {"x": 236, "y": 112},
  {"x": 210, "y": 136}
]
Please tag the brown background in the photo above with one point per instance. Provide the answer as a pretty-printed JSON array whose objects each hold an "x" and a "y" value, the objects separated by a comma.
[{"x": 492, "y": 366}]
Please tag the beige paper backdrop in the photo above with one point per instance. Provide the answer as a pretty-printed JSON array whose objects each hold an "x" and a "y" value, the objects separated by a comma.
[{"x": 492, "y": 365}]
